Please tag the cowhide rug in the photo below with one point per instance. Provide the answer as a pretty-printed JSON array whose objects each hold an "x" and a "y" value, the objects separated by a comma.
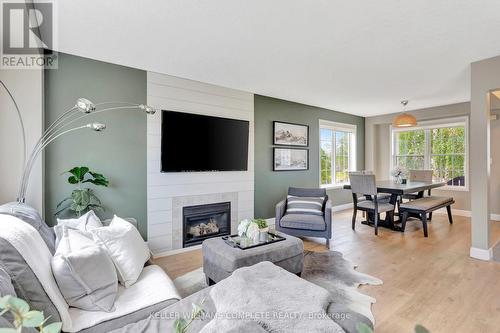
[{"x": 329, "y": 270}]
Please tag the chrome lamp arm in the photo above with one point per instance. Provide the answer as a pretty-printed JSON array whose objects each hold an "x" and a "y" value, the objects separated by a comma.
[{"x": 60, "y": 127}]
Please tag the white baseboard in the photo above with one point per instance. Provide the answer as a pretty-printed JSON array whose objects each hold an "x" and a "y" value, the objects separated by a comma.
[
  {"x": 466, "y": 213},
  {"x": 458, "y": 212},
  {"x": 481, "y": 254},
  {"x": 177, "y": 251},
  {"x": 495, "y": 217},
  {"x": 342, "y": 207}
]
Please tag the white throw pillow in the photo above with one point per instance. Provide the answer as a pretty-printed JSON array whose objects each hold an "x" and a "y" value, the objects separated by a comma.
[
  {"x": 84, "y": 272},
  {"x": 86, "y": 222},
  {"x": 126, "y": 248}
]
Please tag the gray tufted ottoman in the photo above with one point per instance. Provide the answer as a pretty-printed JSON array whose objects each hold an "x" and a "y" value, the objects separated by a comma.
[{"x": 220, "y": 259}]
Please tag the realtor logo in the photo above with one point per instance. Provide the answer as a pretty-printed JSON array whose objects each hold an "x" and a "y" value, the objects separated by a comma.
[{"x": 27, "y": 35}]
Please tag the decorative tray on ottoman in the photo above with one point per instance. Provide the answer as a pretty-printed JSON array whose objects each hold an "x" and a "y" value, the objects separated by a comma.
[{"x": 245, "y": 243}]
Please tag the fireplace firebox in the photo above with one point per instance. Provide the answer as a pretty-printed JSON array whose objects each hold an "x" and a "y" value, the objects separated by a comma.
[{"x": 205, "y": 221}]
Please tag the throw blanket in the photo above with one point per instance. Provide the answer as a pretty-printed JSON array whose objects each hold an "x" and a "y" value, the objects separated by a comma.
[
  {"x": 269, "y": 299},
  {"x": 28, "y": 242}
]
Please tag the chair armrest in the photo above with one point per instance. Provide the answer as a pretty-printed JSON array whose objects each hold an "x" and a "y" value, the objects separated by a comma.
[
  {"x": 280, "y": 210},
  {"x": 328, "y": 214}
]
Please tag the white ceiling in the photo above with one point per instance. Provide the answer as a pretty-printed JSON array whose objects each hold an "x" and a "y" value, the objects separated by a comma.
[{"x": 360, "y": 57}]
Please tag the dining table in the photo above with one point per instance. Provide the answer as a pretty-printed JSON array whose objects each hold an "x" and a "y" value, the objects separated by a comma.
[{"x": 397, "y": 190}]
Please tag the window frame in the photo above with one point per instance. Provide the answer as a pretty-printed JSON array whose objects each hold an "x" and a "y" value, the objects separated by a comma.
[
  {"x": 341, "y": 127},
  {"x": 430, "y": 125}
]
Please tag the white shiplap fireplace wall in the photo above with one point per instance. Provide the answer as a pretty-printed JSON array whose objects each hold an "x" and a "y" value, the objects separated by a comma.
[{"x": 168, "y": 189}]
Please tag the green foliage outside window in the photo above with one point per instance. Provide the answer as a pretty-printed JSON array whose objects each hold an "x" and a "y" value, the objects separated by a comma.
[
  {"x": 334, "y": 145},
  {"x": 446, "y": 152}
]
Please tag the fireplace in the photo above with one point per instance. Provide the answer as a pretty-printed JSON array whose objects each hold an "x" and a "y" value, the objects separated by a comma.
[{"x": 205, "y": 221}]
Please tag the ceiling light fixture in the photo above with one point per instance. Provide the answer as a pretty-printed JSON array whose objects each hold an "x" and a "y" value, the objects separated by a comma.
[{"x": 404, "y": 119}]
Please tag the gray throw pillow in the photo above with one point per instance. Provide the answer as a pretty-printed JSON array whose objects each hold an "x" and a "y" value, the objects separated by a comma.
[
  {"x": 84, "y": 272},
  {"x": 305, "y": 205}
]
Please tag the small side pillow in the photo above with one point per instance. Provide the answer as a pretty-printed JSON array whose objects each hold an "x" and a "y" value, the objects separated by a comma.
[
  {"x": 86, "y": 222},
  {"x": 305, "y": 205},
  {"x": 84, "y": 272},
  {"x": 126, "y": 248}
]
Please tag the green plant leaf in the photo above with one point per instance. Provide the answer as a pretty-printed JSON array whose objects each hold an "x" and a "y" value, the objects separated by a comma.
[
  {"x": 180, "y": 325},
  {"x": 73, "y": 180},
  {"x": 18, "y": 305},
  {"x": 96, "y": 207},
  {"x": 8, "y": 330},
  {"x": 62, "y": 210},
  {"x": 52, "y": 328},
  {"x": 79, "y": 172},
  {"x": 363, "y": 328},
  {"x": 32, "y": 319},
  {"x": 81, "y": 197},
  {"x": 98, "y": 179},
  {"x": 78, "y": 208},
  {"x": 4, "y": 301},
  {"x": 75, "y": 171},
  {"x": 94, "y": 199},
  {"x": 196, "y": 310},
  {"x": 62, "y": 201},
  {"x": 261, "y": 223},
  {"x": 421, "y": 329}
]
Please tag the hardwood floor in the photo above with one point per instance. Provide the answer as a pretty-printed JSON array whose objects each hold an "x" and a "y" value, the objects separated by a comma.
[{"x": 428, "y": 281}]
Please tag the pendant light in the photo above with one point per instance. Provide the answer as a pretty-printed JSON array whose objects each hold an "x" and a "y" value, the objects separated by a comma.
[{"x": 404, "y": 119}]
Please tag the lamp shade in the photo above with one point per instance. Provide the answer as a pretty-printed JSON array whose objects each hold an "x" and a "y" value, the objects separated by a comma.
[{"x": 404, "y": 120}]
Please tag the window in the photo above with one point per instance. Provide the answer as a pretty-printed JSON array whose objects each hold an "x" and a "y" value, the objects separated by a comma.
[
  {"x": 337, "y": 152},
  {"x": 439, "y": 146}
]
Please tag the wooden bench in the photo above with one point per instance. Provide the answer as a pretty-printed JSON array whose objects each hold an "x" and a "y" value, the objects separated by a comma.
[{"x": 423, "y": 206}]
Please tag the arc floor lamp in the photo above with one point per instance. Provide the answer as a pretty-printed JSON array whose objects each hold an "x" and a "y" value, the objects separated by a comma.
[{"x": 63, "y": 125}]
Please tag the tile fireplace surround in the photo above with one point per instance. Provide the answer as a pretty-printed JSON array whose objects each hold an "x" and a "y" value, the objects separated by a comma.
[{"x": 178, "y": 203}]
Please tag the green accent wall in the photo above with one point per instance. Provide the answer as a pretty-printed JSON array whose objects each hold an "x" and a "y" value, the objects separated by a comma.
[
  {"x": 271, "y": 186},
  {"x": 119, "y": 152}
]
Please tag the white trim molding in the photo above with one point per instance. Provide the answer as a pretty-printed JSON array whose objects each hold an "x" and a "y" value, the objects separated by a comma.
[
  {"x": 176, "y": 251},
  {"x": 481, "y": 254},
  {"x": 340, "y": 208},
  {"x": 457, "y": 212}
]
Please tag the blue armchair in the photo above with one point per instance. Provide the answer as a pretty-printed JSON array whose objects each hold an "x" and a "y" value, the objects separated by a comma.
[{"x": 307, "y": 225}]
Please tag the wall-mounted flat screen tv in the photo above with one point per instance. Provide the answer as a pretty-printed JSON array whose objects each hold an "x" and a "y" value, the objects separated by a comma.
[{"x": 192, "y": 142}]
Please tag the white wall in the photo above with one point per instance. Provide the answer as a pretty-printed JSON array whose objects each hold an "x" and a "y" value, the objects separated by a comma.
[
  {"x": 175, "y": 94},
  {"x": 485, "y": 77},
  {"x": 27, "y": 88}
]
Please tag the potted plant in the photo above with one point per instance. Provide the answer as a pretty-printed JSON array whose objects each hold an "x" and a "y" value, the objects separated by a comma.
[
  {"x": 82, "y": 199},
  {"x": 262, "y": 224},
  {"x": 255, "y": 229}
]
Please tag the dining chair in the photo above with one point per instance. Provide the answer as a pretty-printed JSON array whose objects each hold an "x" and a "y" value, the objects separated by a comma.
[
  {"x": 418, "y": 176},
  {"x": 365, "y": 184},
  {"x": 381, "y": 196}
]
